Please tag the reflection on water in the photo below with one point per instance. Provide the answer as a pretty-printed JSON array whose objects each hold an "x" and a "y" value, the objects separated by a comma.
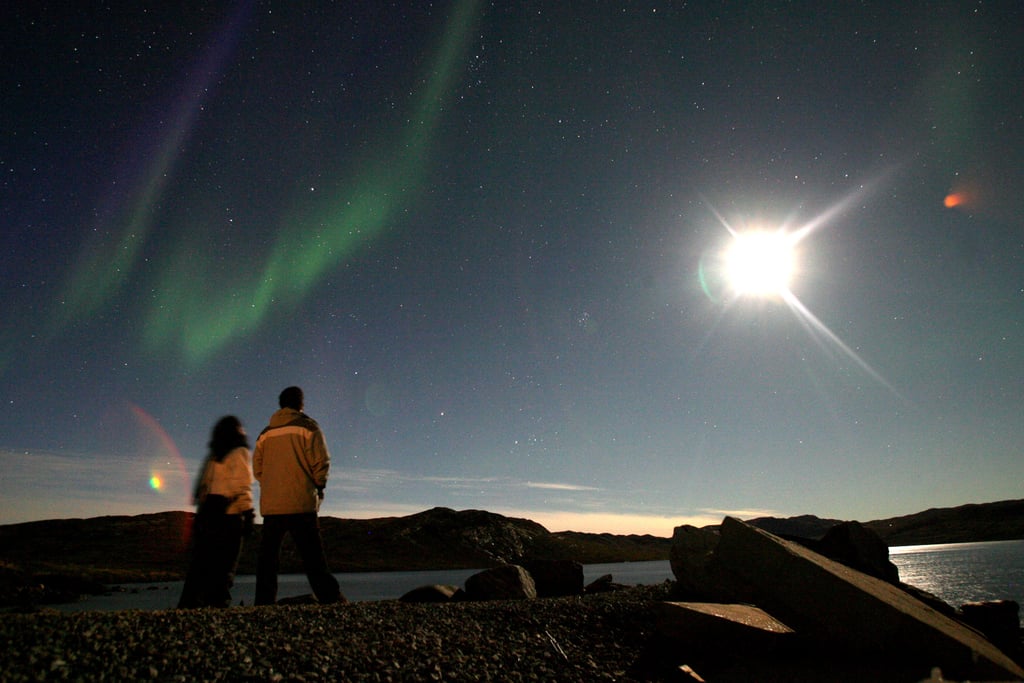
[{"x": 964, "y": 572}]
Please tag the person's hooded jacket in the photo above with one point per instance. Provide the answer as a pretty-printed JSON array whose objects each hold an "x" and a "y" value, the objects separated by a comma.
[{"x": 290, "y": 462}]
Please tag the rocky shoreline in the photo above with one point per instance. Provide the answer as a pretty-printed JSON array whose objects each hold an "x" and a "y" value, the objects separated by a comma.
[
  {"x": 586, "y": 638},
  {"x": 746, "y": 605},
  {"x": 601, "y": 637}
]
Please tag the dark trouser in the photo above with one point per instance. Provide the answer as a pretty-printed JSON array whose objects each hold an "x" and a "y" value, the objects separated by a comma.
[
  {"x": 305, "y": 531},
  {"x": 216, "y": 546}
]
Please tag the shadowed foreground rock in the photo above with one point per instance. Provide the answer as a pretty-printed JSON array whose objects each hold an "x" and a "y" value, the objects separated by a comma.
[
  {"x": 831, "y": 607},
  {"x": 722, "y": 628}
]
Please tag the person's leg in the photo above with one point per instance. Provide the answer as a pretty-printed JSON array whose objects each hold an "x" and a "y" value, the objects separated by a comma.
[
  {"x": 269, "y": 558},
  {"x": 305, "y": 529},
  {"x": 227, "y": 552},
  {"x": 193, "y": 593}
]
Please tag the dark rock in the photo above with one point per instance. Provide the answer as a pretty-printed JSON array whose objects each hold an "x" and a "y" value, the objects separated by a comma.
[
  {"x": 305, "y": 599},
  {"x": 690, "y": 555},
  {"x": 999, "y": 620},
  {"x": 603, "y": 584},
  {"x": 434, "y": 593},
  {"x": 509, "y": 582},
  {"x": 856, "y": 546},
  {"x": 556, "y": 578},
  {"x": 838, "y": 607}
]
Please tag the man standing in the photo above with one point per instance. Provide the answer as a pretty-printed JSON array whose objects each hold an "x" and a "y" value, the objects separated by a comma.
[{"x": 290, "y": 462}]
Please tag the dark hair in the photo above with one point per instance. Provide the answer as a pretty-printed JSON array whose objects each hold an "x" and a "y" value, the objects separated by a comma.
[
  {"x": 291, "y": 398},
  {"x": 227, "y": 436}
]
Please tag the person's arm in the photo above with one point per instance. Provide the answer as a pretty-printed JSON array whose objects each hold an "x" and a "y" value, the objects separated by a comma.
[
  {"x": 257, "y": 460},
  {"x": 239, "y": 474},
  {"x": 320, "y": 460}
]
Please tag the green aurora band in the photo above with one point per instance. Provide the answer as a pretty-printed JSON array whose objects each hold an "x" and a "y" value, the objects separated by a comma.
[
  {"x": 189, "y": 310},
  {"x": 202, "y": 322}
]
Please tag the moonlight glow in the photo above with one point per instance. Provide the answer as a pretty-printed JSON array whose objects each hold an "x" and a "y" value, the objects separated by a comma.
[{"x": 760, "y": 263}]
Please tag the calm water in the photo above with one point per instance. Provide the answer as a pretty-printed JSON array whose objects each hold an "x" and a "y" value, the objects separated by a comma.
[
  {"x": 964, "y": 572},
  {"x": 956, "y": 573},
  {"x": 357, "y": 587}
]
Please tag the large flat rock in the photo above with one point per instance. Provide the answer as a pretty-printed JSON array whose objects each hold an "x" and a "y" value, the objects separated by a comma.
[
  {"x": 717, "y": 626},
  {"x": 835, "y": 605}
]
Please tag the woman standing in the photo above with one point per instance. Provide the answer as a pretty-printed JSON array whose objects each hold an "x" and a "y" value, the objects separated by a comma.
[{"x": 224, "y": 515}]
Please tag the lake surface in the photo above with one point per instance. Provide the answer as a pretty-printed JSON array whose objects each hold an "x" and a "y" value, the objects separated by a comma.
[
  {"x": 357, "y": 586},
  {"x": 964, "y": 572},
  {"x": 956, "y": 572}
]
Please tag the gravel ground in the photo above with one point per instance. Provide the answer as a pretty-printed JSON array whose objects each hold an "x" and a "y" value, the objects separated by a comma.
[
  {"x": 603, "y": 637},
  {"x": 587, "y": 638}
]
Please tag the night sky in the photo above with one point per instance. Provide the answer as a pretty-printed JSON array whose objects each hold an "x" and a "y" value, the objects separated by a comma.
[{"x": 489, "y": 241}]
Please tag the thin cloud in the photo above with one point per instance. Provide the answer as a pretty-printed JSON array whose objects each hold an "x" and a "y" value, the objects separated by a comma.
[
  {"x": 381, "y": 476},
  {"x": 552, "y": 486},
  {"x": 610, "y": 522},
  {"x": 94, "y": 485},
  {"x": 53, "y": 485},
  {"x": 743, "y": 513}
]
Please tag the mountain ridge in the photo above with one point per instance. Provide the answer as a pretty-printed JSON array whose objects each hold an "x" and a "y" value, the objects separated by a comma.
[{"x": 154, "y": 546}]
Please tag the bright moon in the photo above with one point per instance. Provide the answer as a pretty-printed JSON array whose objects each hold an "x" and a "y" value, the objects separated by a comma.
[{"x": 760, "y": 263}]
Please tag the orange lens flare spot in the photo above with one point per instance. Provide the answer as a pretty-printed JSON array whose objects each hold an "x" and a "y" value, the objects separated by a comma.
[{"x": 953, "y": 199}]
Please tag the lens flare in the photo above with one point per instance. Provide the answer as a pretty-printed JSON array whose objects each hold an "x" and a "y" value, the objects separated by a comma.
[
  {"x": 166, "y": 471},
  {"x": 962, "y": 195},
  {"x": 953, "y": 199},
  {"x": 167, "y": 475}
]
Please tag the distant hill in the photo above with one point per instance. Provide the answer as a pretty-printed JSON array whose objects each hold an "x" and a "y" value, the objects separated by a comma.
[
  {"x": 1001, "y": 521},
  {"x": 975, "y": 522},
  {"x": 113, "y": 549},
  {"x": 155, "y": 546},
  {"x": 442, "y": 538}
]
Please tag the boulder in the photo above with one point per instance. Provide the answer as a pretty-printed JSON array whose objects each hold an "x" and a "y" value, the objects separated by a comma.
[
  {"x": 856, "y": 546},
  {"x": 556, "y": 578},
  {"x": 719, "y": 627},
  {"x": 434, "y": 593},
  {"x": 999, "y": 620},
  {"x": 836, "y": 606},
  {"x": 508, "y": 582},
  {"x": 304, "y": 599},
  {"x": 690, "y": 555},
  {"x": 603, "y": 584}
]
